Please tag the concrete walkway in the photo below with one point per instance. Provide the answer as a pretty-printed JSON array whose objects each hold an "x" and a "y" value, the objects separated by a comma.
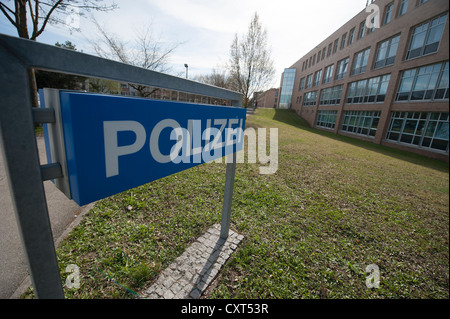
[
  {"x": 63, "y": 213},
  {"x": 191, "y": 273}
]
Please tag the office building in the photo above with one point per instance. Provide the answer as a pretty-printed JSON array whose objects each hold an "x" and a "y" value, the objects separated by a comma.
[
  {"x": 267, "y": 99},
  {"x": 388, "y": 84}
]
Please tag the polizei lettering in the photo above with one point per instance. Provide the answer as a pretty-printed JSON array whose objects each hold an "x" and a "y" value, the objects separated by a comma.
[{"x": 196, "y": 142}]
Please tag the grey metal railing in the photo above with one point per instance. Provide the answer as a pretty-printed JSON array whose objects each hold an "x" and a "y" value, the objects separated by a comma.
[{"x": 17, "y": 122}]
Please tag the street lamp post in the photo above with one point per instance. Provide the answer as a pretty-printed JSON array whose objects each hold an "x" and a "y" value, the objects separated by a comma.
[{"x": 186, "y": 66}]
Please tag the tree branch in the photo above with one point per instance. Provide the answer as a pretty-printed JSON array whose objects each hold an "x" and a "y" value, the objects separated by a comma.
[
  {"x": 2, "y": 8},
  {"x": 33, "y": 15},
  {"x": 44, "y": 24}
]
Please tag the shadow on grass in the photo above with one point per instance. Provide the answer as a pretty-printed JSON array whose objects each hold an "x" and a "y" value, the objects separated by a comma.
[{"x": 291, "y": 118}]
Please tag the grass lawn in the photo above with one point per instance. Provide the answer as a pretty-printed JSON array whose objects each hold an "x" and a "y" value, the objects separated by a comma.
[{"x": 335, "y": 206}]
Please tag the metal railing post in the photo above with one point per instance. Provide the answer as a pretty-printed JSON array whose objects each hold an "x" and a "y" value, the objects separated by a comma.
[{"x": 23, "y": 170}]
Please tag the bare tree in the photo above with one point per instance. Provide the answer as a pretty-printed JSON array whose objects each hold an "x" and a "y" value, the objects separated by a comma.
[
  {"x": 250, "y": 65},
  {"x": 216, "y": 78},
  {"x": 40, "y": 14},
  {"x": 146, "y": 52},
  {"x": 103, "y": 86}
]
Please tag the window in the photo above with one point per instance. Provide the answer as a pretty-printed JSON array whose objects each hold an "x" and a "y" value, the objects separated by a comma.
[
  {"x": 351, "y": 36},
  {"x": 335, "y": 47},
  {"x": 287, "y": 88},
  {"x": 326, "y": 119},
  {"x": 424, "y": 83},
  {"x": 403, "y": 7},
  {"x": 361, "y": 122},
  {"x": 318, "y": 56},
  {"x": 344, "y": 38},
  {"x": 420, "y": 2},
  {"x": 388, "y": 13},
  {"x": 323, "y": 53},
  {"x": 310, "y": 98},
  {"x": 317, "y": 77},
  {"x": 426, "y": 37},
  {"x": 314, "y": 59},
  {"x": 386, "y": 52},
  {"x": 330, "y": 46},
  {"x": 360, "y": 61},
  {"x": 362, "y": 27},
  {"x": 331, "y": 96},
  {"x": 308, "y": 81},
  {"x": 372, "y": 21},
  {"x": 427, "y": 130},
  {"x": 302, "y": 84},
  {"x": 328, "y": 75},
  {"x": 341, "y": 70},
  {"x": 371, "y": 90}
]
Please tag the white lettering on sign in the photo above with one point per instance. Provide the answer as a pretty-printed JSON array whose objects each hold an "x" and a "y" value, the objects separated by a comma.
[
  {"x": 154, "y": 140},
  {"x": 188, "y": 141},
  {"x": 113, "y": 150}
]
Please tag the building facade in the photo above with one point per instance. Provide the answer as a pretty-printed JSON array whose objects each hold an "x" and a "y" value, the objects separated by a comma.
[
  {"x": 388, "y": 84},
  {"x": 267, "y": 99}
]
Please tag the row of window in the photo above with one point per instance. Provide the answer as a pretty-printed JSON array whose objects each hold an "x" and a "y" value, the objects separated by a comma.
[
  {"x": 429, "y": 130},
  {"x": 310, "y": 98},
  {"x": 425, "y": 83},
  {"x": 326, "y": 119},
  {"x": 371, "y": 90},
  {"x": 348, "y": 38},
  {"x": 362, "y": 123},
  {"x": 425, "y": 40},
  {"x": 331, "y": 96},
  {"x": 425, "y": 130},
  {"x": 386, "y": 52},
  {"x": 426, "y": 37}
]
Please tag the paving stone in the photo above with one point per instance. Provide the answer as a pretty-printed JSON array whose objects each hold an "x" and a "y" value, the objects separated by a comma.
[
  {"x": 192, "y": 272},
  {"x": 168, "y": 294},
  {"x": 195, "y": 293}
]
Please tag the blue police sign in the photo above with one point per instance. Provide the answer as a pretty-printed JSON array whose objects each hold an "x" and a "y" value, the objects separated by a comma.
[{"x": 114, "y": 143}]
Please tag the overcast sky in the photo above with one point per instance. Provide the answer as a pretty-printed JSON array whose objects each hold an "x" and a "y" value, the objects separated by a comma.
[{"x": 205, "y": 28}]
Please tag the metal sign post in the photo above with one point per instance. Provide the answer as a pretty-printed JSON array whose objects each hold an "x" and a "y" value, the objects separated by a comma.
[
  {"x": 19, "y": 147},
  {"x": 228, "y": 196}
]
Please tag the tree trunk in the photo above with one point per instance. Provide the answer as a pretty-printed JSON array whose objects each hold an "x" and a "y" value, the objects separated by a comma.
[
  {"x": 33, "y": 88},
  {"x": 22, "y": 30}
]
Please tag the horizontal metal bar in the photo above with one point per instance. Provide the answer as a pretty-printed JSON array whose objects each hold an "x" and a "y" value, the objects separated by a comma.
[
  {"x": 43, "y": 56},
  {"x": 43, "y": 115},
  {"x": 51, "y": 171}
]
